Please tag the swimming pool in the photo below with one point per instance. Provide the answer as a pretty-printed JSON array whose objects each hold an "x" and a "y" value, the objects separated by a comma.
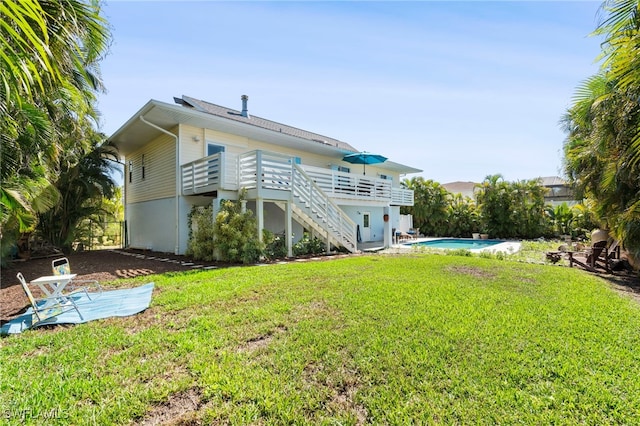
[{"x": 457, "y": 243}]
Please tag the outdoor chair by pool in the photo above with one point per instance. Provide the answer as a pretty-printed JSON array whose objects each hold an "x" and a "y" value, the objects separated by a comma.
[
  {"x": 414, "y": 232},
  {"x": 603, "y": 254},
  {"x": 61, "y": 267},
  {"x": 45, "y": 308}
]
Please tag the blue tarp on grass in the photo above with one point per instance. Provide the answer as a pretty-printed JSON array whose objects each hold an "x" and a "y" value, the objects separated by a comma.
[{"x": 113, "y": 303}]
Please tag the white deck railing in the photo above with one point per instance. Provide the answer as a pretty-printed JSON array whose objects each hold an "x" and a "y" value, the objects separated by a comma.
[
  {"x": 230, "y": 172},
  {"x": 346, "y": 185},
  {"x": 217, "y": 171},
  {"x": 401, "y": 197}
]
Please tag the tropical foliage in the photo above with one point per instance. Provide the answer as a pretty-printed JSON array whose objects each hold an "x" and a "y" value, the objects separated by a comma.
[
  {"x": 576, "y": 221},
  {"x": 235, "y": 235},
  {"x": 512, "y": 209},
  {"x": 430, "y": 206},
  {"x": 104, "y": 229},
  {"x": 309, "y": 244},
  {"x": 501, "y": 209},
  {"x": 49, "y": 78},
  {"x": 201, "y": 235},
  {"x": 84, "y": 184},
  {"x": 231, "y": 236},
  {"x": 602, "y": 149},
  {"x": 462, "y": 216},
  {"x": 494, "y": 206},
  {"x": 275, "y": 245}
]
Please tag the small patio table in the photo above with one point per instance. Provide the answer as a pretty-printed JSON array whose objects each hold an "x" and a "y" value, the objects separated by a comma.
[{"x": 53, "y": 285}]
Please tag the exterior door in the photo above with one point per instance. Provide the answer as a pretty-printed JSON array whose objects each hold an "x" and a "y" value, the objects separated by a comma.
[{"x": 366, "y": 226}]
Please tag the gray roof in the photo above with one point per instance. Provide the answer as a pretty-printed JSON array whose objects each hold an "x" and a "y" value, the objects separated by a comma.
[
  {"x": 552, "y": 181},
  {"x": 236, "y": 115}
]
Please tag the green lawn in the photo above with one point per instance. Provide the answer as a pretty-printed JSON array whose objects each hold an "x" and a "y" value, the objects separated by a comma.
[{"x": 371, "y": 339}]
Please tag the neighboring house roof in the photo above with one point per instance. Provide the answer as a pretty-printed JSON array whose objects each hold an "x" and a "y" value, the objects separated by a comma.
[
  {"x": 458, "y": 187},
  {"x": 552, "y": 181},
  {"x": 558, "y": 188},
  {"x": 135, "y": 133},
  {"x": 253, "y": 120}
]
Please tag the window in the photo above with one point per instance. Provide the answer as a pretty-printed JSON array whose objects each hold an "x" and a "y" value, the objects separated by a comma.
[
  {"x": 142, "y": 166},
  {"x": 340, "y": 168},
  {"x": 341, "y": 183},
  {"x": 214, "y": 149}
]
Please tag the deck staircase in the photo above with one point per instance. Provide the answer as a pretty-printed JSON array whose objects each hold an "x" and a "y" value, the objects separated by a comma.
[
  {"x": 310, "y": 205},
  {"x": 313, "y": 209}
]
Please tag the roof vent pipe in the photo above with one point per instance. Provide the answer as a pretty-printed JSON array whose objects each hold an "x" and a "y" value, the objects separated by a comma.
[{"x": 245, "y": 112}]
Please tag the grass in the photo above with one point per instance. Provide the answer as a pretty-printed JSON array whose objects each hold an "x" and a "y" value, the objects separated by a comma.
[
  {"x": 531, "y": 251},
  {"x": 372, "y": 339}
]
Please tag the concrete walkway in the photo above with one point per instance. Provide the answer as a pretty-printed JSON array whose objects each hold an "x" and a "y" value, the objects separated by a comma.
[{"x": 371, "y": 246}]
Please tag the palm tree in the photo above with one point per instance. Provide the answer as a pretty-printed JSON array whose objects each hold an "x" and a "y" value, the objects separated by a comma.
[
  {"x": 49, "y": 75},
  {"x": 48, "y": 45},
  {"x": 430, "y": 207},
  {"x": 494, "y": 203},
  {"x": 83, "y": 186},
  {"x": 602, "y": 149},
  {"x": 26, "y": 62}
]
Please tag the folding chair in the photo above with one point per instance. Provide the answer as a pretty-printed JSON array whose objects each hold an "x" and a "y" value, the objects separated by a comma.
[
  {"x": 45, "y": 308},
  {"x": 61, "y": 267}
]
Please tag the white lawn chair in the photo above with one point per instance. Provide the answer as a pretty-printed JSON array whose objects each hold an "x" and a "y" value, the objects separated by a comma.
[
  {"x": 45, "y": 308},
  {"x": 61, "y": 267}
]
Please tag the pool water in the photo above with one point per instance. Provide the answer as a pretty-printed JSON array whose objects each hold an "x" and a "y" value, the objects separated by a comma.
[{"x": 458, "y": 243}]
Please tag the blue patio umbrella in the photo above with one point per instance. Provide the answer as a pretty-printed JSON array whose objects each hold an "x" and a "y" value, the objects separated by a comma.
[{"x": 364, "y": 158}]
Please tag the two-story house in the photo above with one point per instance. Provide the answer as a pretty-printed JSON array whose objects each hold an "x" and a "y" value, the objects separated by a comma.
[{"x": 195, "y": 153}]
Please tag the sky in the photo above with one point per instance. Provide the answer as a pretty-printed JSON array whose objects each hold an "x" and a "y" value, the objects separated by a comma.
[{"x": 460, "y": 90}]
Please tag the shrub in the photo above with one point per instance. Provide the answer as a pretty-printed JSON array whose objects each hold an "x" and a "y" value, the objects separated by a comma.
[
  {"x": 231, "y": 237},
  {"x": 235, "y": 234},
  {"x": 275, "y": 245},
  {"x": 462, "y": 216},
  {"x": 308, "y": 245},
  {"x": 201, "y": 234},
  {"x": 459, "y": 252}
]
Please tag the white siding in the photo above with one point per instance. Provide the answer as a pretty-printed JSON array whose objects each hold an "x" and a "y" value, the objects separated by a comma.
[
  {"x": 376, "y": 219},
  {"x": 159, "y": 171},
  {"x": 233, "y": 143},
  {"x": 192, "y": 145},
  {"x": 151, "y": 225}
]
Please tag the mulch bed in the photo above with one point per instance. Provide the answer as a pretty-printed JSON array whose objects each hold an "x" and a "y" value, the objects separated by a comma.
[{"x": 100, "y": 265}]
